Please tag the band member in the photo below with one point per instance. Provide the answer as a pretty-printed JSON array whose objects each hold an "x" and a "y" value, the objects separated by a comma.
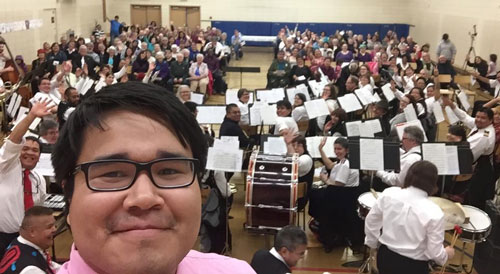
[{"x": 412, "y": 226}]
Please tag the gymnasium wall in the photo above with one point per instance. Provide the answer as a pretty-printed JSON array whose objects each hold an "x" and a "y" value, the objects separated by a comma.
[
  {"x": 77, "y": 15},
  {"x": 432, "y": 18}
]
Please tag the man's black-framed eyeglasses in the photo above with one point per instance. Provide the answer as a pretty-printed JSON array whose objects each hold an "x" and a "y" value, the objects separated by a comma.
[{"x": 121, "y": 174}]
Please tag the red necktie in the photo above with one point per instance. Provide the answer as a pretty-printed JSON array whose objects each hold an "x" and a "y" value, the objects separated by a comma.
[
  {"x": 49, "y": 261},
  {"x": 28, "y": 193}
]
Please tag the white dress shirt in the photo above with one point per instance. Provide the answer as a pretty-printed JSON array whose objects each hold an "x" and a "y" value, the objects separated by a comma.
[
  {"x": 496, "y": 85},
  {"x": 341, "y": 173},
  {"x": 407, "y": 159},
  {"x": 245, "y": 114},
  {"x": 283, "y": 123},
  {"x": 12, "y": 188},
  {"x": 300, "y": 114},
  {"x": 408, "y": 223},
  {"x": 482, "y": 141},
  {"x": 275, "y": 253},
  {"x": 33, "y": 269}
]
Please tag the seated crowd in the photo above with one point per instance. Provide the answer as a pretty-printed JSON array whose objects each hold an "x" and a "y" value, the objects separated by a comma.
[{"x": 177, "y": 61}]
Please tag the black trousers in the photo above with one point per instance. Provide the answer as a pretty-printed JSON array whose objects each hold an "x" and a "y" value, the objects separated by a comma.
[
  {"x": 5, "y": 240},
  {"x": 390, "y": 262}
]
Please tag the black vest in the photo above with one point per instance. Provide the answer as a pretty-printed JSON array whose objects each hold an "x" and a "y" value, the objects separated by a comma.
[{"x": 19, "y": 256}]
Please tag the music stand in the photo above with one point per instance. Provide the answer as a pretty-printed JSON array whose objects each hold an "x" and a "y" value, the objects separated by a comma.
[
  {"x": 241, "y": 70},
  {"x": 391, "y": 154}
]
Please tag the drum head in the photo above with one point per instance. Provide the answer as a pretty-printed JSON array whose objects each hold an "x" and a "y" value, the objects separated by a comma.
[
  {"x": 367, "y": 199},
  {"x": 478, "y": 219}
]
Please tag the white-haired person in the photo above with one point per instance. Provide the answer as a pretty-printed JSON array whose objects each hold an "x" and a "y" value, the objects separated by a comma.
[{"x": 198, "y": 74}]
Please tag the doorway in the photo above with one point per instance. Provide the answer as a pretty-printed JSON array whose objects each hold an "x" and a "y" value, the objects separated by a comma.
[
  {"x": 143, "y": 15},
  {"x": 183, "y": 16}
]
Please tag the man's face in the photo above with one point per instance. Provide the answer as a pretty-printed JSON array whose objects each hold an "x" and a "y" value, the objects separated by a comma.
[
  {"x": 281, "y": 56},
  {"x": 234, "y": 114},
  {"x": 283, "y": 111},
  {"x": 407, "y": 143},
  {"x": 30, "y": 154},
  {"x": 42, "y": 231},
  {"x": 292, "y": 257},
  {"x": 482, "y": 120},
  {"x": 74, "y": 97},
  {"x": 52, "y": 135},
  {"x": 83, "y": 50},
  {"x": 143, "y": 229},
  {"x": 44, "y": 86},
  {"x": 349, "y": 84}
]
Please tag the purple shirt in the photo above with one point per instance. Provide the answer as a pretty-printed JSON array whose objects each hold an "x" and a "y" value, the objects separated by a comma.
[{"x": 194, "y": 263}]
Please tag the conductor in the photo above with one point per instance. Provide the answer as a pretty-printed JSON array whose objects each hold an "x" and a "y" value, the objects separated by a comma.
[{"x": 412, "y": 226}]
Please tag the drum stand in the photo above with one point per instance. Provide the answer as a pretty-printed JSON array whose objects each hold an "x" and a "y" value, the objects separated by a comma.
[{"x": 462, "y": 268}]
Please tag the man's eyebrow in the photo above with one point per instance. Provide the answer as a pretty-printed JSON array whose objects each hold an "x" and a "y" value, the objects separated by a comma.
[{"x": 125, "y": 156}]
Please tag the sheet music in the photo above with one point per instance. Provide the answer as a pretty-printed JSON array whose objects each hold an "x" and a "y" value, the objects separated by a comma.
[
  {"x": 291, "y": 92},
  {"x": 15, "y": 103},
  {"x": 386, "y": 90},
  {"x": 211, "y": 114},
  {"x": 301, "y": 78},
  {"x": 313, "y": 144},
  {"x": 23, "y": 111},
  {"x": 268, "y": 114},
  {"x": 452, "y": 117},
  {"x": 254, "y": 110},
  {"x": 230, "y": 161},
  {"x": 44, "y": 165},
  {"x": 410, "y": 113},
  {"x": 275, "y": 146},
  {"x": 453, "y": 167},
  {"x": 371, "y": 154},
  {"x": 271, "y": 96},
  {"x": 197, "y": 98},
  {"x": 374, "y": 124},
  {"x": 365, "y": 130},
  {"x": 438, "y": 112},
  {"x": 376, "y": 97},
  {"x": 316, "y": 108},
  {"x": 464, "y": 100},
  {"x": 436, "y": 154},
  {"x": 35, "y": 123},
  {"x": 349, "y": 102},
  {"x": 317, "y": 87},
  {"x": 400, "y": 128},
  {"x": 365, "y": 96},
  {"x": 229, "y": 143},
  {"x": 353, "y": 128}
]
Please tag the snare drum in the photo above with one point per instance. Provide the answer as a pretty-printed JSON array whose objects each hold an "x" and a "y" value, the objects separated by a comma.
[
  {"x": 365, "y": 203},
  {"x": 479, "y": 226}
]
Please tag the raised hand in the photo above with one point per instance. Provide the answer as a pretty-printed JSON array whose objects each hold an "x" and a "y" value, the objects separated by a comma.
[
  {"x": 41, "y": 108},
  {"x": 322, "y": 143}
]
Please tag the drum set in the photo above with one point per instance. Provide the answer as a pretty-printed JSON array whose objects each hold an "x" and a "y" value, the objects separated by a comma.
[{"x": 475, "y": 224}]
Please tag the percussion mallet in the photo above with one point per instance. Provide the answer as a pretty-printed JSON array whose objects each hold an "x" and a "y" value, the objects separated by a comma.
[{"x": 456, "y": 233}]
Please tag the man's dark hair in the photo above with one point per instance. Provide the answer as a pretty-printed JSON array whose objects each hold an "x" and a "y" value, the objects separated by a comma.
[
  {"x": 229, "y": 107},
  {"x": 422, "y": 175},
  {"x": 290, "y": 237},
  {"x": 34, "y": 139},
  {"x": 35, "y": 211},
  {"x": 493, "y": 58},
  {"x": 144, "y": 99},
  {"x": 47, "y": 124},
  {"x": 67, "y": 92},
  {"x": 284, "y": 103},
  {"x": 488, "y": 112},
  {"x": 342, "y": 142},
  {"x": 446, "y": 36}
]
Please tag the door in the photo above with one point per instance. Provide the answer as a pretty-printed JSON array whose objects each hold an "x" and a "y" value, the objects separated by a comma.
[
  {"x": 178, "y": 16},
  {"x": 143, "y": 15},
  {"x": 48, "y": 31},
  {"x": 193, "y": 17},
  {"x": 185, "y": 16},
  {"x": 138, "y": 16}
]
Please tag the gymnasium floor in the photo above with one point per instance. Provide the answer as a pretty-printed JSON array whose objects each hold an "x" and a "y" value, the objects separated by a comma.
[{"x": 245, "y": 244}]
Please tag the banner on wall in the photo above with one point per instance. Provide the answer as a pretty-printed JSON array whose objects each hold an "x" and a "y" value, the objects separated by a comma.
[{"x": 20, "y": 25}]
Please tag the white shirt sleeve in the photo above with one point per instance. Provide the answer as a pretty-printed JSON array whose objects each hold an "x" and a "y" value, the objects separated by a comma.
[
  {"x": 435, "y": 239},
  {"x": 373, "y": 225},
  {"x": 465, "y": 118},
  {"x": 9, "y": 154},
  {"x": 391, "y": 178}
]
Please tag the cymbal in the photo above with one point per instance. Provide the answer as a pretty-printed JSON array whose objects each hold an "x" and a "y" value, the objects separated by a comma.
[{"x": 453, "y": 213}]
